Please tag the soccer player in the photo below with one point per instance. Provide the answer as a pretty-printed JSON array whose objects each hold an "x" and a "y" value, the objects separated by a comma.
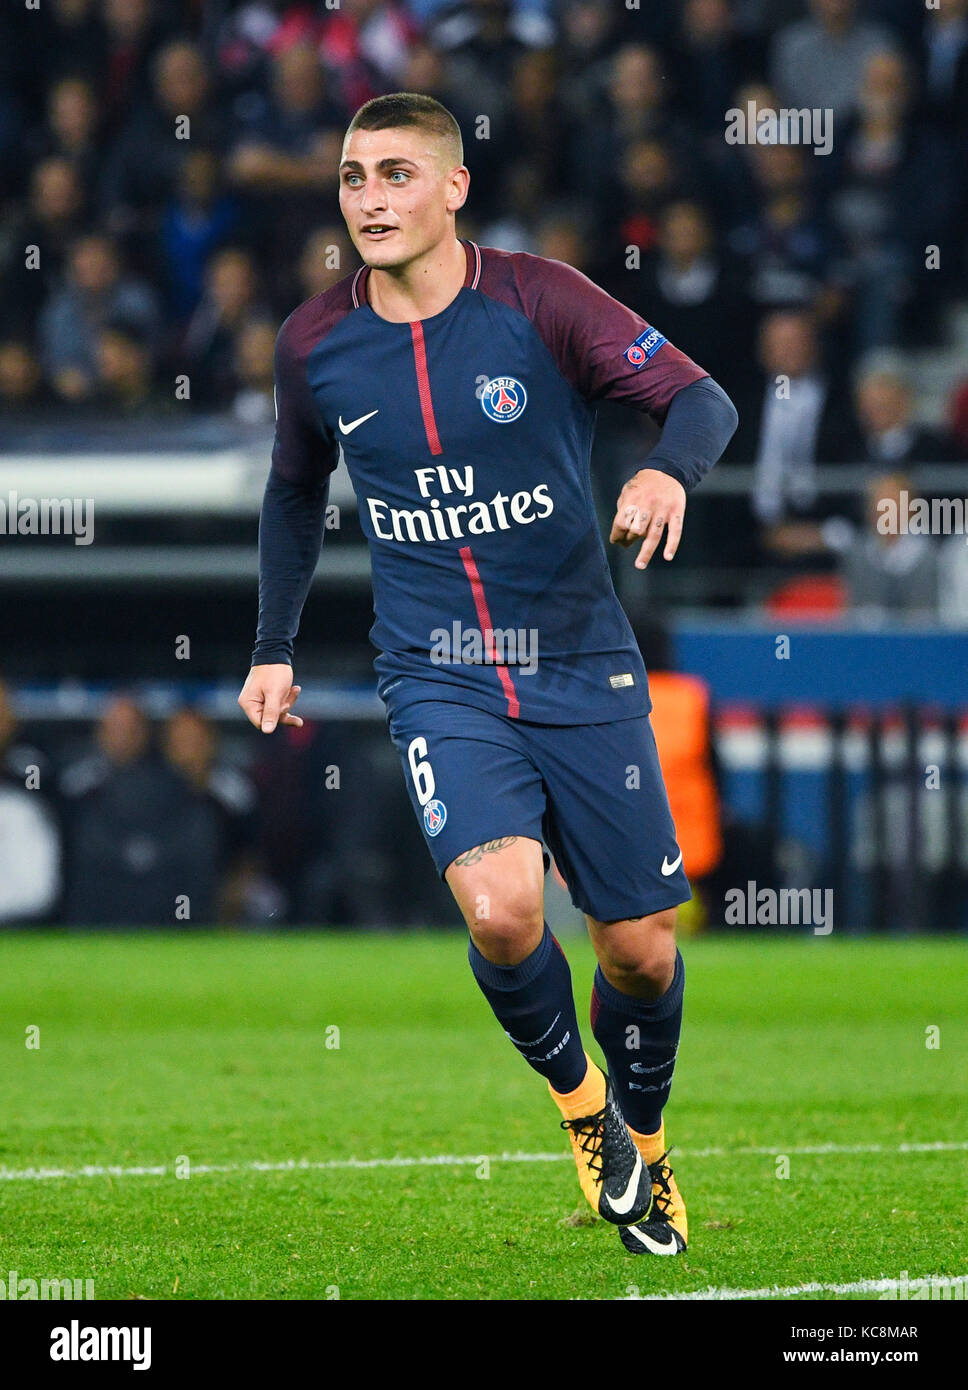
[{"x": 460, "y": 382}]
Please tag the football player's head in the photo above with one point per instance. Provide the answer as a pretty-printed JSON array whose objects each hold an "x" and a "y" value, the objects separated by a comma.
[{"x": 402, "y": 178}]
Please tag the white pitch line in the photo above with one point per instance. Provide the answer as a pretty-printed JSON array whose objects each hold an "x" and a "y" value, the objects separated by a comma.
[
  {"x": 300, "y": 1165},
  {"x": 939, "y": 1146},
  {"x": 928, "y": 1281}
]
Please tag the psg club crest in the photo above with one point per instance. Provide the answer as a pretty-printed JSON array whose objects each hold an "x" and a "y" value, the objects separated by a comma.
[
  {"x": 503, "y": 399},
  {"x": 435, "y": 817}
]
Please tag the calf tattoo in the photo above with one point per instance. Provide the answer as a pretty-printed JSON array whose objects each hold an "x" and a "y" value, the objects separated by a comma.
[{"x": 475, "y": 855}]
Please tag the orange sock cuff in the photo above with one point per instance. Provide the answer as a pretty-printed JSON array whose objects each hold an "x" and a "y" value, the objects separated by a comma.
[
  {"x": 650, "y": 1146},
  {"x": 586, "y": 1099}
]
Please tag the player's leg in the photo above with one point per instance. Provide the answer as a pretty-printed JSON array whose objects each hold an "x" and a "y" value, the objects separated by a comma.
[
  {"x": 611, "y": 831},
  {"x": 524, "y": 975},
  {"x": 637, "y": 1010},
  {"x": 517, "y": 963},
  {"x": 637, "y": 1018},
  {"x": 481, "y": 803}
]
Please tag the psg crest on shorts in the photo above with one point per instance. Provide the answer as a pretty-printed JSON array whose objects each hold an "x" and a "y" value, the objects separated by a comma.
[
  {"x": 435, "y": 817},
  {"x": 503, "y": 399}
]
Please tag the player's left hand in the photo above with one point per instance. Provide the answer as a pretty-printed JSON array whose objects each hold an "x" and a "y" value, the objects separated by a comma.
[{"x": 649, "y": 503}]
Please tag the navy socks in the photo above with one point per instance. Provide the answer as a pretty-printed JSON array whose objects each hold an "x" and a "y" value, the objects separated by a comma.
[
  {"x": 640, "y": 1039},
  {"x": 534, "y": 1004}
]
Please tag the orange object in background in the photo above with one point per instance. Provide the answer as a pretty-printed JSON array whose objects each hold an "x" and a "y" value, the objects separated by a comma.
[
  {"x": 681, "y": 723},
  {"x": 816, "y": 596}
]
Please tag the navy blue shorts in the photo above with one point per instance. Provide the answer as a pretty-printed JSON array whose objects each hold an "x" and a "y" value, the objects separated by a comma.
[{"x": 592, "y": 792}]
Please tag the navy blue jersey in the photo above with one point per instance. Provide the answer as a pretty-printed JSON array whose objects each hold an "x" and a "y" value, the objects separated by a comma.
[{"x": 468, "y": 436}]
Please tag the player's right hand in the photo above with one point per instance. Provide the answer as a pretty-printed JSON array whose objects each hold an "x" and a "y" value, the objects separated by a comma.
[{"x": 268, "y": 695}]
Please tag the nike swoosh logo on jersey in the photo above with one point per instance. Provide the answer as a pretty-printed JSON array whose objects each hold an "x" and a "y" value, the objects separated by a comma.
[
  {"x": 668, "y": 868},
  {"x": 625, "y": 1203},
  {"x": 650, "y": 1243},
  {"x": 348, "y": 429}
]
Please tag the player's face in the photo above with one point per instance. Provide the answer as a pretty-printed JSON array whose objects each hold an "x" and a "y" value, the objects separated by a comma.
[{"x": 395, "y": 195}]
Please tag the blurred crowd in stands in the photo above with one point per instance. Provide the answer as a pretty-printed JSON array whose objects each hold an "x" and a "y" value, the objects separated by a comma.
[
  {"x": 168, "y": 195},
  {"x": 148, "y": 821},
  {"x": 173, "y": 162}
]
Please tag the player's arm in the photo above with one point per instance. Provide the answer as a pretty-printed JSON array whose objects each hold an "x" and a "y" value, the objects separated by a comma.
[
  {"x": 290, "y": 536},
  {"x": 699, "y": 422},
  {"x": 609, "y": 352}
]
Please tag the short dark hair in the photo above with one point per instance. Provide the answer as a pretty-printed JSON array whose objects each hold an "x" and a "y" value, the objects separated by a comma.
[{"x": 410, "y": 109}]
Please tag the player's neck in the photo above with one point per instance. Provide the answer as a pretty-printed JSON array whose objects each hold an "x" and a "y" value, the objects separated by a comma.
[{"x": 422, "y": 288}]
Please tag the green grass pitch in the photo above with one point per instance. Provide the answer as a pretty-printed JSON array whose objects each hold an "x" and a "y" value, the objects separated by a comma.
[{"x": 220, "y": 1050}]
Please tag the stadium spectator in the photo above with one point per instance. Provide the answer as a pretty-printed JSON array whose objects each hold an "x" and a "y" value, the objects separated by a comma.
[
  {"x": 21, "y": 385},
  {"x": 254, "y": 356},
  {"x": 199, "y": 218},
  {"x": 634, "y": 105},
  {"x": 328, "y": 255},
  {"x": 819, "y": 61},
  {"x": 52, "y": 220},
  {"x": 231, "y": 298},
  {"x": 649, "y": 179},
  {"x": 944, "y": 65},
  {"x": 604, "y": 132},
  {"x": 143, "y": 165},
  {"x": 690, "y": 289},
  {"x": 325, "y": 843},
  {"x": 142, "y": 849},
  {"x": 794, "y": 418},
  {"x": 133, "y": 29},
  {"x": 125, "y": 382},
  {"x": 367, "y": 46},
  {"x": 96, "y": 292},
  {"x": 71, "y": 128},
  {"x": 715, "y": 58},
  {"x": 489, "y": 35},
  {"x": 889, "y": 437},
  {"x": 886, "y": 159},
  {"x": 887, "y": 571},
  {"x": 30, "y": 842},
  {"x": 521, "y": 204},
  {"x": 64, "y": 36},
  {"x": 783, "y": 244},
  {"x": 562, "y": 236},
  {"x": 190, "y": 747},
  {"x": 537, "y": 117},
  {"x": 57, "y": 204},
  {"x": 427, "y": 72},
  {"x": 288, "y": 144},
  {"x": 589, "y": 36},
  {"x": 284, "y": 154}
]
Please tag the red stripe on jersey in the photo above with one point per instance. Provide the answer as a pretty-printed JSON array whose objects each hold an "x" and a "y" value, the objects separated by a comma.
[
  {"x": 487, "y": 630},
  {"x": 423, "y": 387}
]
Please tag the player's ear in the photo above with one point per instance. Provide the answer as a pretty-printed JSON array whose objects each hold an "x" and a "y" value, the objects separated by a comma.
[{"x": 458, "y": 181}]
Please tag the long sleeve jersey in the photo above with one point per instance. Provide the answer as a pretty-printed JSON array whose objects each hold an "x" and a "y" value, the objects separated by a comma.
[{"x": 467, "y": 437}]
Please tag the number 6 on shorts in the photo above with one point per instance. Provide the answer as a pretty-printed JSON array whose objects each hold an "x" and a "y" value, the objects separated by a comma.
[{"x": 421, "y": 772}]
